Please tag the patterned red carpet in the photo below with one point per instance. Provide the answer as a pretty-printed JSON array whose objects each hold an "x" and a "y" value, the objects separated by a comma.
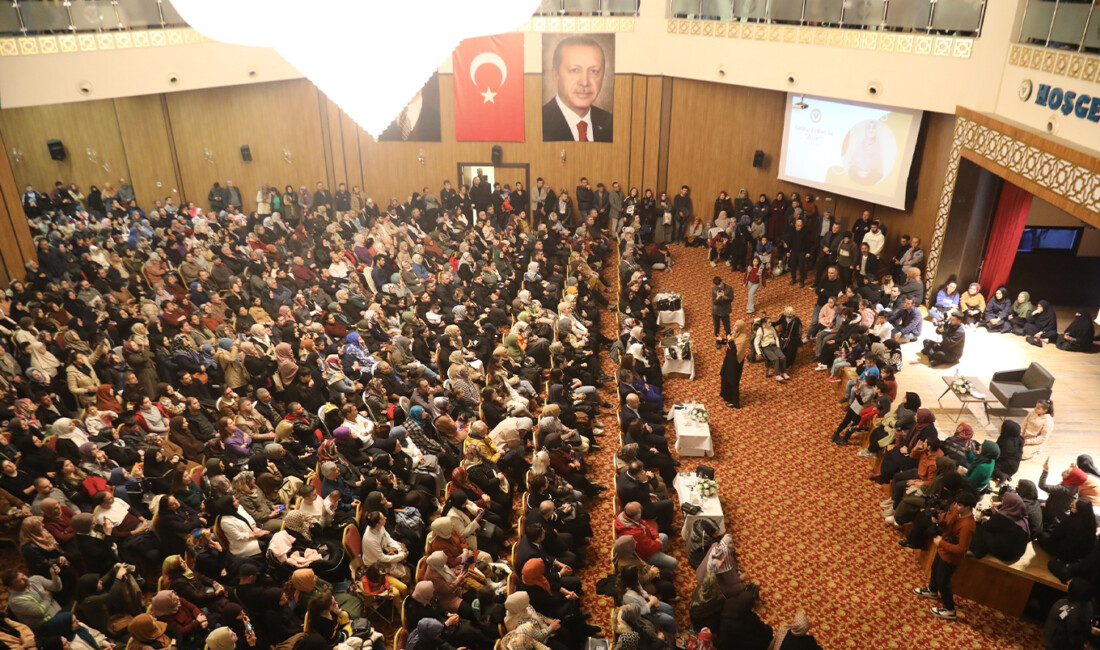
[{"x": 803, "y": 514}]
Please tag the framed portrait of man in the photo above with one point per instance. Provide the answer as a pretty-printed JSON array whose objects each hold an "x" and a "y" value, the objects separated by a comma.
[{"x": 578, "y": 87}]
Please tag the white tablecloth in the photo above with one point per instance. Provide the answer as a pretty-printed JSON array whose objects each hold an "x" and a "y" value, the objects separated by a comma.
[
  {"x": 669, "y": 317},
  {"x": 678, "y": 366},
  {"x": 692, "y": 438},
  {"x": 711, "y": 506}
]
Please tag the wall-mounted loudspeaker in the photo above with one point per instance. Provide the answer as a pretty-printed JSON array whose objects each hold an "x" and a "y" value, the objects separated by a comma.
[
  {"x": 246, "y": 153},
  {"x": 498, "y": 154},
  {"x": 758, "y": 158},
  {"x": 57, "y": 150}
]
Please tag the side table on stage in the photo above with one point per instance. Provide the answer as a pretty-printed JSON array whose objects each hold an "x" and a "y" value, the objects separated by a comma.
[
  {"x": 975, "y": 393},
  {"x": 684, "y": 485}
]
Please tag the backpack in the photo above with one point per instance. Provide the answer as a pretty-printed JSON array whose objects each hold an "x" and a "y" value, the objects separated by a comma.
[{"x": 408, "y": 524}]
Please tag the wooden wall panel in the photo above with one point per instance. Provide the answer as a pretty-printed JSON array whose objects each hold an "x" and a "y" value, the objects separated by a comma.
[
  {"x": 144, "y": 132},
  {"x": 716, "y": 128},
  {"x": 652, "y": 133},
  {"x": 80, "y": 126},
  {"x": 637, "y": 133},
  {"x": 391, "y": 168},
  {"x": 349, "y": 141},
  {"x": 15, "y": 237},
  {"x": 336, "y": 142},
  {"x": 270, "y": 118}
]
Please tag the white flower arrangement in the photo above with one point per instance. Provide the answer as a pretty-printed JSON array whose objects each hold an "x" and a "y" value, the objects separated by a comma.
[
  {"x": 961, "y": 386},
  {"x": 707, "y": 487},
  {"x": 698, "y": 413},
  {"x": 683, "y": 340}
]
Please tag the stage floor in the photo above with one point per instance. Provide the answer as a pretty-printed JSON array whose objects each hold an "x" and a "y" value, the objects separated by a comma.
[{"x": 1076, "y": 392}]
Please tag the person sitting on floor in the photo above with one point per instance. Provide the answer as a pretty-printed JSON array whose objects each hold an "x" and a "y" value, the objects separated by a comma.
[
  {"x": 949, "y": 349},
  {"x": 1079, "y": 335},
  {"x": 1042, "y": 325},
  {"x": 996, "y": 313}
]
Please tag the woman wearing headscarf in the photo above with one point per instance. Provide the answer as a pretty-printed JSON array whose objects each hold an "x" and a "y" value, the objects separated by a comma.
[
  {"x": 961, "y": 442},
  {"x": 995, "y": 316},
  {"x": 1021, "y": 311},
  {"x": 64, "y": 625},
  {"x": 795, "y": 635},
  {"x": 554, "y": 601},
  {"x": 972, "y": 304},
  {"x": 704, "y": 534},
  {"x": 306, "y": 586},
  {"x": 422, "y": 605},
  {"x": 287, "y": 366},
  {"x": 194, "y": 587},
  {"x": 36, "y": 458},
  {"x": 255, "y": 502},
  {"x": 898, "y": 458},
  {"x": 734, "y": 363},
  {"x": 1079, "y": 335},
  {"x": 179, "y": 432},
  {"x": 427, "y": 636},
  {"x": 982, "y": 465},
  {"x": 1012, "y": 451},
  {"x": 518, "y": 611},
  {"x": 1042, "y": 325},
  {"x": 296, "y": 548},
  {"x": 1074, "y": 536},
  {"x": 1006, "y": 533},
  {"x": 147, "y": 633},
  {"x": 721, "y": 560},
  {"x": 185, "y": 622},
  {"x": 498, "y": 512},
  {"x": 41, "y": 551},
  {"x": 44, "y": 360},
  {"x": 467, "y": 520}
]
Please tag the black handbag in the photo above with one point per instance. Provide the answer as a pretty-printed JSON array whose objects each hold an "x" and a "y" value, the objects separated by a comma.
[{"x": 704, "y": 471}]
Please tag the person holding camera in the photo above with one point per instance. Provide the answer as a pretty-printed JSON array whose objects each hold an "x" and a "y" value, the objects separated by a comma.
[
  {"x": 31, "y": 599},
  {"x": 956, "y": 532}
]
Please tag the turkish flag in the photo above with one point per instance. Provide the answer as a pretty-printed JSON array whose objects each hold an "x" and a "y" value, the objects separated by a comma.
[{"x": 488, "y": 80}]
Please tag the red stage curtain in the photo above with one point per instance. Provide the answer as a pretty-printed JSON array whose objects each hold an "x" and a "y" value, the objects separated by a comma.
[{"x": 1004, "y": 236}]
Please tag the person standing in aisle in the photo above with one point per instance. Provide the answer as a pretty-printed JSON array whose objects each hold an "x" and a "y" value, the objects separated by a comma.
[
  {"x": 734, "y": 363},
  {"x": 721, "y": 298},
  {"x": 957, "y": 529}
]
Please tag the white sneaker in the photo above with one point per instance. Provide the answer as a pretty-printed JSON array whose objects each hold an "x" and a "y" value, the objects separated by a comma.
[
  {"x": 713, "y": 264},
  {"x": 885, "y": 503},
  {"x": 863, "y": 453},
  {"x": 821, "y": 366},
  {"x": 890, "y": 520}
]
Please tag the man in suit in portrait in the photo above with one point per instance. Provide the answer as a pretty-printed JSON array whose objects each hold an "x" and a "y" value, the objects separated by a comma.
[{"x": 578, "y": 72}]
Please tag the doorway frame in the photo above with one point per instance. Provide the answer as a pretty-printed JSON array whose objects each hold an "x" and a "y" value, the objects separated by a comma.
[
  {"x": 1047, "y": 169},
  {"x": 526, "y": 167}
]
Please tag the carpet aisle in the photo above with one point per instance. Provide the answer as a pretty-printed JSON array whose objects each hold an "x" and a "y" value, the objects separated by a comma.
[{"x": 801, "y": 509}]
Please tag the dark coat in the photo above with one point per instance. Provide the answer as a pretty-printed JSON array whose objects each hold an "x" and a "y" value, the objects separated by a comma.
[{"x": 556, "y": 129}]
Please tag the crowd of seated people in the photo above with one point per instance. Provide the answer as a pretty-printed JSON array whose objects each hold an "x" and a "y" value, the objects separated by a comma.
[
  {"x": 646, "y": 523},
  {"x": 270, "y": 423}
]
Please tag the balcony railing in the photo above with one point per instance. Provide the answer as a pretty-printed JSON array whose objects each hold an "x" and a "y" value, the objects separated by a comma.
[
  {"x": 1062, "y": 24},
  {"x": 953, "y": 17},
  {"x": 31, "y": 17},
  {"x": 588, "y": 8}
]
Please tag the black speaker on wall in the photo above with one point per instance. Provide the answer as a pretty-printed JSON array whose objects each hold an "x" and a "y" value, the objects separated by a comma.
[
  {"x": 246, "y": 153},
  {"x": 57, "y": 150},
  {"x": 758, "y": 158},
  {"x": 498, "y": 154}
]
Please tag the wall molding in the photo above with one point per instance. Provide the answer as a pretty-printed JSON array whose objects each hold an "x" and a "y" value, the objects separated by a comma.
[
  {"x": 852, "y": 39},
  {"x": 589, "y": 24},
  {"x": 1064, "y": 177},
  {"x": 98, "y": 41},
  {"x": 1073, "y": 65}
]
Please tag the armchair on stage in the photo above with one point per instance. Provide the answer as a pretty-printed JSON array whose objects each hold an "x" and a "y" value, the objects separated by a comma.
[{"x": 1021, "y": 389}]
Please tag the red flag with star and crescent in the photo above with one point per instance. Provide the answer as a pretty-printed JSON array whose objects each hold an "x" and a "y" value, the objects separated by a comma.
[{"x": 488, "y": 80}]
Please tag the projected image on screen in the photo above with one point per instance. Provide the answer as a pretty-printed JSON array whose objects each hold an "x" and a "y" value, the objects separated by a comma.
[{"x": 847, "y": 148}]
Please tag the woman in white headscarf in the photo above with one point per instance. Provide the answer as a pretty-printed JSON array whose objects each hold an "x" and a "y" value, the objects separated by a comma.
[
  {"x": 44, "y": 360},
  {"x": 794, "y": 636}
]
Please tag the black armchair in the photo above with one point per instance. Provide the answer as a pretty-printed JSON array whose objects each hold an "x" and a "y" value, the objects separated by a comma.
[{"x": 1021, "y": 389}]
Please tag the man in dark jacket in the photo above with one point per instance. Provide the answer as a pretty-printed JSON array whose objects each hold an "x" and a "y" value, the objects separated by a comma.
[
  {"x": 827, "y": 286},
  {"x": 950, "y": 348},
  {"x": 827, "y": 251},
  {"x": 721, "y": 298},
  {"x": 481, "y": 194},
  {"x": 801, "y": 248},
  {"x": 584, "y": 196}
]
